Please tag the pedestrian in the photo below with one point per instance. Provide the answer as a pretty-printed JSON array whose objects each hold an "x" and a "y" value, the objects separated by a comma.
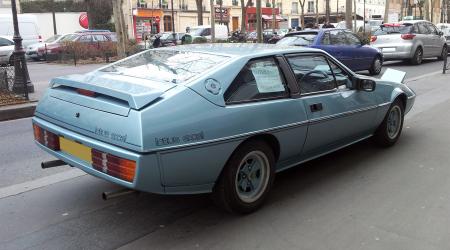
[{"x": 157, "y": 42}]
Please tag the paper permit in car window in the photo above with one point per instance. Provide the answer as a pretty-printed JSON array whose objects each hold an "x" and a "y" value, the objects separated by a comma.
[
  {"x": 267, "y": 77},
  {"x": 393, "y": 75}
]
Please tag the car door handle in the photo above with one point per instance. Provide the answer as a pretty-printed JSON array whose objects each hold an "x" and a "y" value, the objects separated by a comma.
[{"x": 316, "y": 107}]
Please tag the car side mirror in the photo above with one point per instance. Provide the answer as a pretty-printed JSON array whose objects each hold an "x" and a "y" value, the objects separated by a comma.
[
  {"x": 366, "y": 85},
  {"x": 440, "y": 33}
]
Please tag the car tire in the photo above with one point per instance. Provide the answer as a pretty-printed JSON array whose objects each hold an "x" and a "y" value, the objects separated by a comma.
[
  {"x": 390, "y": 129},
  {"x": 418, "y": 56},
  {"x": 376, "y": 66},
  {"x": 444, "y": 53},
  {"x": 246, "y": 178},
  {"x": 36, "y": 59}
]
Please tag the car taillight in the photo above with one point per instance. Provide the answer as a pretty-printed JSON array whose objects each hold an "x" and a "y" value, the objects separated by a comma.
[
  {"x": 113, "y": 165},
  {"x": 373, "y": 39},
  {"x": 86, "y": 92},
  {"x": 408, "y": 36},
  {"x": 40, "y": 38},
  {"x": 46, "y": 138}
]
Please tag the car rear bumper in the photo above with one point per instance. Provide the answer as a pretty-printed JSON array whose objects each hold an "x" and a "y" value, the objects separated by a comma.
[
  {"x": 395, "y": 51},
  {"x": 147, "y": 175}
]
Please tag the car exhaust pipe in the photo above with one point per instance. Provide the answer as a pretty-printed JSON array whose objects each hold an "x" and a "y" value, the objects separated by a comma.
[
  {"x": 52, "y": 164},
  {"x": 117, "y": 193}
]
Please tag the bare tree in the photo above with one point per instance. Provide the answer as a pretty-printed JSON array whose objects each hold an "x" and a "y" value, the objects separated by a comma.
[
  {"x": 199, "y": 4},
  {"x": 317, "y": 12},
  {"x": 386, "y": 10},
  {"x": 244, "y": 13},
  {"x": 302, "y": 13},
  {"x": 121, "y": 29},
  {"x": 348, "y": 14},
  {"x": 327, "y": 10}
]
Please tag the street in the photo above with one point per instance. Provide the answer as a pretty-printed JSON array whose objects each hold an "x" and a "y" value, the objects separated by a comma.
[{"x": 360, "y": 197}]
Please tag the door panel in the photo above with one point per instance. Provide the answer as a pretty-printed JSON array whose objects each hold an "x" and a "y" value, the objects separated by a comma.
[{"x": 337, "y": 115}]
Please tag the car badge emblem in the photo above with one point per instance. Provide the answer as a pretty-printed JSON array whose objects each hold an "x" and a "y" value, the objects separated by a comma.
[
  {"x": 77, "y": 115},
  {"x": 213, "y": 86}
]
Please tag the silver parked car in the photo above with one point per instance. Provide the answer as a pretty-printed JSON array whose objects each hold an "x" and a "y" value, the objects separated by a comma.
[
  {"x": 410, "y": 40},
  {"x": 445, "y": 28},
  {"x": 6, "y": 50}
]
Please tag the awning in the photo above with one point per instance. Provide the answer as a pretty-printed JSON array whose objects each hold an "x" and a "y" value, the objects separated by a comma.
[{"x": 269, "y": 17}]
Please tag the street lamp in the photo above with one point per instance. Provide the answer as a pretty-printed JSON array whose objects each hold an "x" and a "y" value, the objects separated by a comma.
[{"x": 22, "y": 83}]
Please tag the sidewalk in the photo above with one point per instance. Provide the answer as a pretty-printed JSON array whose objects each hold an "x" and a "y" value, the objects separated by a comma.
[{"x": 40, "y": 74}]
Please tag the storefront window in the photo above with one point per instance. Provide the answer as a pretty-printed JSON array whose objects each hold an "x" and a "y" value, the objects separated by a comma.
[{"x": 167, "y": 23}]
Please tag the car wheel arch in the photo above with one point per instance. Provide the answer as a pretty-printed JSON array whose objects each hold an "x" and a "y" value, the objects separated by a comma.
[
  {"x": 270, "y": 139},
  {"x": 403, "y": 98}
]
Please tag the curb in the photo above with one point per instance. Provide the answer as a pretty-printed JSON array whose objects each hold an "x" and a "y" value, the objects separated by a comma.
[{"x": 17, "y": 111}]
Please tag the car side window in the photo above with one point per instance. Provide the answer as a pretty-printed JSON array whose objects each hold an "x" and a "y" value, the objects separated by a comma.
[
  {"x": 206, "y": 32},
  {"x": 260, "y": 79},
  {"x": 86, "y": 39},
  {"x": 337, "y": 37},
  {"x": 352, "y": 39},
  {"x": 423, "y": 29},
  {"x": 313, "y": 73},
  {"x": 343, "y": 79},
  {"x": 100, "y": 38},
  {"x": 432, "y": 29},
  {"x": 415, "y": 29},
  {"x": 5, "y": 42},
  {"x": 326, "y": 38}
]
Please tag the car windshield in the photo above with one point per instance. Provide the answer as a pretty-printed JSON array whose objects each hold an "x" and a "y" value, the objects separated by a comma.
[
  {"x": 298, "y": 40},
  {"x": 52, "y": 39},
  {"x": 196, "y": 31},
  {"x": 385, "y": 30},
  {"x": 166, "y": 65},
  {"x": 165, "y": 35},
  {"x": 70, "y": 37}
]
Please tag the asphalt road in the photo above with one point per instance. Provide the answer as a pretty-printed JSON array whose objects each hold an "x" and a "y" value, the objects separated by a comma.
[{"x": 361, "y": 197}]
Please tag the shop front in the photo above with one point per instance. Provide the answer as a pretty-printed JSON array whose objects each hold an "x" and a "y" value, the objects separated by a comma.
[
  {"x": 146, "y": 21},
  {"x": 266, "y": 16}
]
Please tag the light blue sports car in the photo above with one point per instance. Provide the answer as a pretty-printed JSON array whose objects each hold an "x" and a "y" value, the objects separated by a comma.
[{"x": 220, "y": 118}]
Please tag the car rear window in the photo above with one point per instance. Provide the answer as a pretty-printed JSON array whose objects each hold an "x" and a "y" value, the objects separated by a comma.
[
  {"x": 298, "y": 40},
  {"x": 385, "y": 30},
  {"x": 166, "y": 65}
]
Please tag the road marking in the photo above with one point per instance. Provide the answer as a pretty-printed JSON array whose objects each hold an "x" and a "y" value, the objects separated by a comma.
[
  {"x": 412, "y": 79},
  {"x": 39, "y": 183}
]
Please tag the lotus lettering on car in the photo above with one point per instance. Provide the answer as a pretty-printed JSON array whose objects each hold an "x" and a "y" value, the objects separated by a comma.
[{"x": 215, "y": 118}]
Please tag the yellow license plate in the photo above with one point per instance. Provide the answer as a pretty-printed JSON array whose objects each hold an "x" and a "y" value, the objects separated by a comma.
[{"x": 76, "y": 149}]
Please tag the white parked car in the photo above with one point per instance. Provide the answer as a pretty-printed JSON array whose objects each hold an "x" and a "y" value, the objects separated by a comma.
[
  {"x": 6, "y": 50},
  {"x": 221, "y": 31},
  {"x": 28, "y": 28}
]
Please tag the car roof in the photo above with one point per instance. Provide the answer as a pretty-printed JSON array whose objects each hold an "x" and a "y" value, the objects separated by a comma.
[
  {"x": 10, "y": 38},
  {"x": 414, "y": 21},
  {"x": 242, "y": 49}
]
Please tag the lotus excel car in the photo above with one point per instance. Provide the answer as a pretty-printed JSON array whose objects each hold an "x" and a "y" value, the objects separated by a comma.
[{"x": 220, "y": 118}]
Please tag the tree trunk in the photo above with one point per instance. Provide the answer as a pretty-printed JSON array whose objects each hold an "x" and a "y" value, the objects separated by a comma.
[
  {"x": 432, "y": 10},
  {"x": 213, "y": 21},
  {"x": 302, "y": 13},
  {"x": 258, "y": 21},
  {"x": 427, "y": 10},
  {"x": 243, "y": 14},
  {"x": 199, "y": 4},
  {"x": 348, "y": 14},
  {"x": 386, "y": 11},
  {"x": 274, "y": 20},
  {"x": 327, "y": 11},
  {"x": 121, "y": 30},
  {"x": 448, "y": 12},
  {"x": 317, "y": 12}
]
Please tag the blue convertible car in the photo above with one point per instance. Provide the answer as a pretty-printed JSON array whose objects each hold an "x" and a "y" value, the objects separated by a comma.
[
  {"x": 214, "y": 118},
  {"x": 343, "y": 44}
]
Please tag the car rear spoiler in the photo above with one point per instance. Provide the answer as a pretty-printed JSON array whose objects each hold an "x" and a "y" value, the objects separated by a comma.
[{"x": 136, "y": 92}]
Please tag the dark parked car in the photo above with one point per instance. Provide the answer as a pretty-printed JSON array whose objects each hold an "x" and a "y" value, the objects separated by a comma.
[{"x": 344, "y": 45}]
